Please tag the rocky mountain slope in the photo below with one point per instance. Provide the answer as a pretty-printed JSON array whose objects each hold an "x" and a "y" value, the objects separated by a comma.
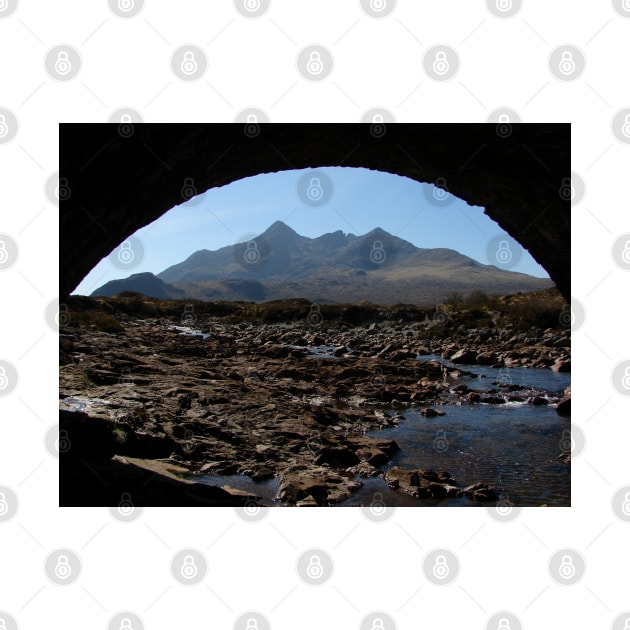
[{"x": 336, "y": 267}]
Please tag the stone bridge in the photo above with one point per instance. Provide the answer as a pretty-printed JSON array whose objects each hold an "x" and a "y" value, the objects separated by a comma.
[{"x": 117, "y": 179}]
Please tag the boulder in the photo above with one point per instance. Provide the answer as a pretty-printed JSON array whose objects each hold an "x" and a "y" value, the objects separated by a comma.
[
  {"x": 537, "y": 401},
  {"x": 322, "y": 485},
  {"x": 421, "y": 483},
  {"x": 480, "y": 492},
  {"x": 562, "y": 365},
  {"x": 486, "y": 358},
  {"x": 429, "y": 412},
  {"x": 336, "y": 457},
  {"x": 464, "y": 356},
  {"x": 564, "y": 406}
]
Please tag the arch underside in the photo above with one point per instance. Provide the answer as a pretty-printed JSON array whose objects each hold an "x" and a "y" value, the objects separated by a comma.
[{"x": 120, "y": 183}]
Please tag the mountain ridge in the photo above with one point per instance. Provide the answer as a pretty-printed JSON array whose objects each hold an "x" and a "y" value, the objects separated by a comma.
[{"x": 333, "y": 267}]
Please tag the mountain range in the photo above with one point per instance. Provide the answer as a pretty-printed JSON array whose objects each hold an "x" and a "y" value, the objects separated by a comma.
[{"x": 335, "y": 267}]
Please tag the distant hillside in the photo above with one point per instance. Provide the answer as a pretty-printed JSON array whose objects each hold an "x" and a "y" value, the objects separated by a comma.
[
  {"x": 335, "y": 267},
  {"x": 145, "y": 283}
]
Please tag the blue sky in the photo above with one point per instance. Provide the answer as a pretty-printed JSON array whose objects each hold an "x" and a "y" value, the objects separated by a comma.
[{"x": 360, "y": 200}]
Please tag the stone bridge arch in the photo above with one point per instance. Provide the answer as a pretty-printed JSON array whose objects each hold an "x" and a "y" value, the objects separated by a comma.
[{"x": 119, "y": 178}]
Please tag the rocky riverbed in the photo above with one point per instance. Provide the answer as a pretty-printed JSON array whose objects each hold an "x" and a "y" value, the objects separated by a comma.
[{"x": 162, "y": 401}]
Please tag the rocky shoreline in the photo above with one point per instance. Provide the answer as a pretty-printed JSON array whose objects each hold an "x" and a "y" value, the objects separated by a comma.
[{"x": 249, "y": 398}]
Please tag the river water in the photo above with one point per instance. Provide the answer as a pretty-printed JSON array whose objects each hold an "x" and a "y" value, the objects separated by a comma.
[{"x": 513, "y": 447}]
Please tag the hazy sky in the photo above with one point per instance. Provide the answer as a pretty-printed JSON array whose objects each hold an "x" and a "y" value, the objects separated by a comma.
[{"x": 359, "y": 201}]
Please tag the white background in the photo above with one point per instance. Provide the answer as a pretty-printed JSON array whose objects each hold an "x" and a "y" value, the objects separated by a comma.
[{"x": 252, "y": 63}]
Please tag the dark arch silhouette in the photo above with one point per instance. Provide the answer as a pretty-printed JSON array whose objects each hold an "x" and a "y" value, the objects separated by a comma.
[{"x": 118, "y": 178}]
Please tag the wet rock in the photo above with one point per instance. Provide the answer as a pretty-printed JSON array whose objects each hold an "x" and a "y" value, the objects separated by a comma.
[
  {"x": 322, "y": 485},
  {"x": 489, "y": 399},
  {"x": 429, "y": 412},
  {"x": 473, "y": 397},
  {"x": 486, "y": 358},
  {"x": 421, "y": 483},
  {"x": 564, "y": 406},
  {"x": 480, "y": 492},
  {"x": 562, "y": 365},
  {"x": 373, "y": 456},
  {"x": 464, "y": 356},
  {"x": 537, "y": 401},
  {"x": 336, "y": 457}
]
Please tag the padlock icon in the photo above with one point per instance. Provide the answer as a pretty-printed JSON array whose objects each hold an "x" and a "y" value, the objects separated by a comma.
[
  {"x": 251, "y": 255},
  {"x": 4, "y": 254},
  {"x": 252, "y": 5},
  {"x": 625, "y": 506},
  {"x": 125, "y": 253},
  {"x": 440, "y": 192},
  {"x": 189, "y": 568},
  {"x": 378, "y": 254},
  {"x": 378, "y": 5},
  {"x": 504, "y": 379},
  {"x": 315, "y": 316},
  {"x": 625, "y": 381},
  {"x": 567, "y": 63},
  {"x": 567, "y": 443},
  {"x": 125, "y": 377},
  {"x": 125, "y": 127},
  {"x": 251, "y": 507},
  {"x": 504, "y": 254},
  {"x": 4, "y": 508},
  {"x": 314, "y": 64},
  {"x": 125, "y": 5},
  {"x": 440, "y": 568},
  {"x": 377, "y": 379},
  {"x": 567, "y": 568},
  {"x": 567, "y": 191},
  {"x": 377, "y": 507},
  {"x": 377, "y": 624},
  {"x": 504, "y": 507},
  {"x": 63, "y": 570},
  {"x": 377, "y": 119},
  {"x": 252, "y": 128},
  {"x": 504, "y": 5},
  {"x": 625, "y": 129},
  {"x": 63, "y": 316},
  {"x": 125, "y": 624},
  {"x": 440, "y": 63},
  {"x": 251, "y": 624},
  {"x": 315, "y": 191},
  {"x": 440, "y": 443},
  {"x": 567, "y": 317},
  {"x": 504, "y": 624},
  {"x": 378, "y": 125},
  {"x": 188, "y": 316},
  {"x": 4, "y": 128},
  {"x": 62, "y": 443},
  {"x": 314, "y": 569},
  {"x": 126, "y": 506},
  {"x": 62, "y": 190},
  {"x": 504, "y": 119},
  {"x": 189, "y": 63},
  {"x": 625, "y": 255},
  {"x": 188, "y": 189},
  {"x": 62, "y": 64}
]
